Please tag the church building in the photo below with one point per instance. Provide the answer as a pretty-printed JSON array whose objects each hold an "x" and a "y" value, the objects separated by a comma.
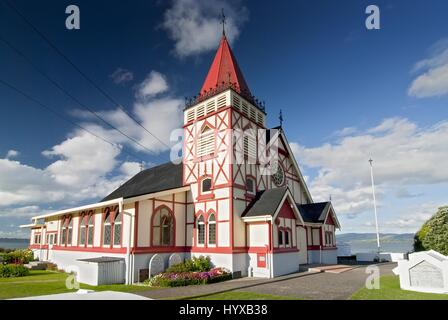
[{"x": 218, "y": 201}]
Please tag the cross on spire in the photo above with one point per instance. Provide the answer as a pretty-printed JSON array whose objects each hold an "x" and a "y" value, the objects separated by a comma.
[
  {"x": 280, "y": 118},
  {"x": 223, "y": 22}
]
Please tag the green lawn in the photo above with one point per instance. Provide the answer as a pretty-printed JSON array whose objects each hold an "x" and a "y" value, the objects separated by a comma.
[
  {"x": 240, "y": 295},
  {"x": 390, "y": 290},
  {"x": 49, "y": 282}
]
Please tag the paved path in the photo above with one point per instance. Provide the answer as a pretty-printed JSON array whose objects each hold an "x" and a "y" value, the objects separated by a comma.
[{"x": 306, "y": 285}]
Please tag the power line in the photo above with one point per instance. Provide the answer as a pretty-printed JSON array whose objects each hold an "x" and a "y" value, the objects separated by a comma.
[
  {"x": 17, "y": 90},
  {"x": 69, "y": 61},
  {"x": 57, "y": 85}
]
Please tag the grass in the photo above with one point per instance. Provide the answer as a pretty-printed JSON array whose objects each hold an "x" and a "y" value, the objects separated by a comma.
[
  {"x": 241, "y": 295},
  {"x": 390, "y": 290},
  {"x": 50, "y": 282}
]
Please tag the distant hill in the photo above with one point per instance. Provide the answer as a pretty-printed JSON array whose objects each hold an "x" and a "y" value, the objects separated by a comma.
[
  {"x": 14, "y": 240},
  {"x": 365, "y": 242}
]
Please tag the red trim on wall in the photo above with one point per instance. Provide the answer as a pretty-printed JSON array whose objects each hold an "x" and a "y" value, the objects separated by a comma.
[{"x": 93, "y": 249}]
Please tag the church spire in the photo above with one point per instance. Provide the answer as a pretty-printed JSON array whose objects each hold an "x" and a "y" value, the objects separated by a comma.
[{"x": 224, "y": 70}]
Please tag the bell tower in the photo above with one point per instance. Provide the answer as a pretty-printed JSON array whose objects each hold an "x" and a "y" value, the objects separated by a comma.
[{"x": 224, "y": 104}]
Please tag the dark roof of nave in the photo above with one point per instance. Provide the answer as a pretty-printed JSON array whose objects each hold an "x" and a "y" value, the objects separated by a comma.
[
  {"x": 313, "y": 212},
  {"x": 265, "y": 203},
  {"x": 163, "y": 177}
]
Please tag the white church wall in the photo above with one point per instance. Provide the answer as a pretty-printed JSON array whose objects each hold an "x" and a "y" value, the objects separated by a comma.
[
  {"x": 223, "y": 210},
  {"x": 97, "y": 231},
  {"x": 223, "y": 234},
  {"x": 75, "y": 231},
  {"x": 129, "y": 211},
  {"x": 323, "y": 256},
  {"x": 258, "y": 235},
  {"x": 144, "y": 222},
  {"x": 179, "y": 210},
  {"x": 285, "y": 263},
  {"x": 239, "y": 227}
]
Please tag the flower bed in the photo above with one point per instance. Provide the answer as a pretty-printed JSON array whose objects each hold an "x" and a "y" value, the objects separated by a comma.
[{"x": 178, "y": 279}]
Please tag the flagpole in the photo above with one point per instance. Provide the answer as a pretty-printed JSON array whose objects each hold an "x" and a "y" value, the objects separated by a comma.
[{"x": 374, "y": 207}]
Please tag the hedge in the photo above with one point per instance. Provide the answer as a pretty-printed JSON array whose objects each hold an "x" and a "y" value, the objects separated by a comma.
[
  {"x": 13, "y": 270},
  {"x": 433, "y": 235}
]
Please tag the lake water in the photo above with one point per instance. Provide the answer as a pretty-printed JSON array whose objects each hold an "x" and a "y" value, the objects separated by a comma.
[
  {"x": 14, "y": 244},
  {"x": 358, "y": 247}
]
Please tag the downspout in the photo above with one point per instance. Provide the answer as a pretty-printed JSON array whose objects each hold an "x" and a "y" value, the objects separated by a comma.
[
  {"x": 128, "y": 247},
  {"x": 40, "y": 242}
]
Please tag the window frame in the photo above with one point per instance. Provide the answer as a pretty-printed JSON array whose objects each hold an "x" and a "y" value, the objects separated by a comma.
[
  {"x": 200, "y": 222},
  {"x": 209, "y": 224},
  {"x": 160, "y": 225},
  {"x": 201, "y": 151},
  {"x": 107, "y": 221},
  {"x": 254, "y": 189}
]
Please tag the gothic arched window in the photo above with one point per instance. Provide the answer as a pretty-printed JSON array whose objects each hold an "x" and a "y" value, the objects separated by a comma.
[
  {"x": 201, "y": 230},
  {"x": 211, "y": 229},
  {"x": 117, "y": 229},
  {"x": 70, "y": 231},
  {"x": 90, "y": 230},
  {"x": 82, "y": 230},
  {"x": 163, "y": 227},
  {"x": 107, "y": 229}
]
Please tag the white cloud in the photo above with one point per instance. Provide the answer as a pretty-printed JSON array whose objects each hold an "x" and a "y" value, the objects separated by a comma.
[
  {"x": 194, "y": 25},
  {"x": 83, "y": 160},
  {"x": 85, "y": 167},
  {"x": 409, "y": 223},
  {"x": 27, "y": 211},
  {"x": 121, "y": 76},
  {"x": 404, "y": 155},
  {"x": 12, "y": 154},
  {"x": 345, "y": 131},
  {"x": 154, "y": 84},
  {"x": 434, "y": 79}
]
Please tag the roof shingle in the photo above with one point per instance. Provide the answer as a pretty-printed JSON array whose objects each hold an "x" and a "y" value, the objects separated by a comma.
[{"x": 163, "y": 177}]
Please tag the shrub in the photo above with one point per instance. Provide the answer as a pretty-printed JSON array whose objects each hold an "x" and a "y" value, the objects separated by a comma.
[
  {"x": 13, "y": 270},
  {"x": 434, "y": 233},
  {"x": 200, "y": 264},
  {"x": 18, "y": 257},
  {"x": 178, "y": 279}
]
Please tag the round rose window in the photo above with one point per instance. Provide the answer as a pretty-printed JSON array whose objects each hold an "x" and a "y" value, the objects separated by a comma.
[{"x": 278, "y": 177}]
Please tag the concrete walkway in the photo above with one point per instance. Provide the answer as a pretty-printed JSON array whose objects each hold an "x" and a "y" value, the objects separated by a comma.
[
  {"x": 88, "y": 295},
  {"x": 305, "y": 285}
]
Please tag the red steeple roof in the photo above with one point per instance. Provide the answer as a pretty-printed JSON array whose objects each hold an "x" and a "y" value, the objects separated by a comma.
[{"x": 224, "y": 71}]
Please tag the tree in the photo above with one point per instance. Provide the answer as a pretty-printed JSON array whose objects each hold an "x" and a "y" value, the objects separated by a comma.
[{"x": 433, "y": 235}]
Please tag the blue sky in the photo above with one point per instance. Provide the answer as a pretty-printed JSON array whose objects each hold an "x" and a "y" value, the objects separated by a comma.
[{"x": 347, "y": 93}]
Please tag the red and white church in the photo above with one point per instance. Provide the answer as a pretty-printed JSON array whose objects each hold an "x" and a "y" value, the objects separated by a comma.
[{"x": 253, "y": 224}]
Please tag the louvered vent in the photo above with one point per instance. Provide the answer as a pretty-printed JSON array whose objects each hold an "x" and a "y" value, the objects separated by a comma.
[
  {"x": 245, "y": 109},
  {"x": 211, "y": 106},
  {"x": 250, "y": 147},
  {"x": 260, "y": 119},
  {"x": 190, "y": 115},
  {"x": 200, "y": 111},
  {"x": 206, "y": 143},
  {"x": 236, "y": 102},
  {"x": 253, "y": 114},
  {"x": 222, "y": 101}
]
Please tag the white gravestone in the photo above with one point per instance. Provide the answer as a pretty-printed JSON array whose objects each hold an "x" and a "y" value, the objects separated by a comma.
[
  {"x": 156, "y": 265},
  {"x": 425, "y": 271},
  {"x": 174, "y": 259}
]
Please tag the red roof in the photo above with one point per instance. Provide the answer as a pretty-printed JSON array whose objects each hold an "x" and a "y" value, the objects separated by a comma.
[{"x": 224, "y": 71}]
